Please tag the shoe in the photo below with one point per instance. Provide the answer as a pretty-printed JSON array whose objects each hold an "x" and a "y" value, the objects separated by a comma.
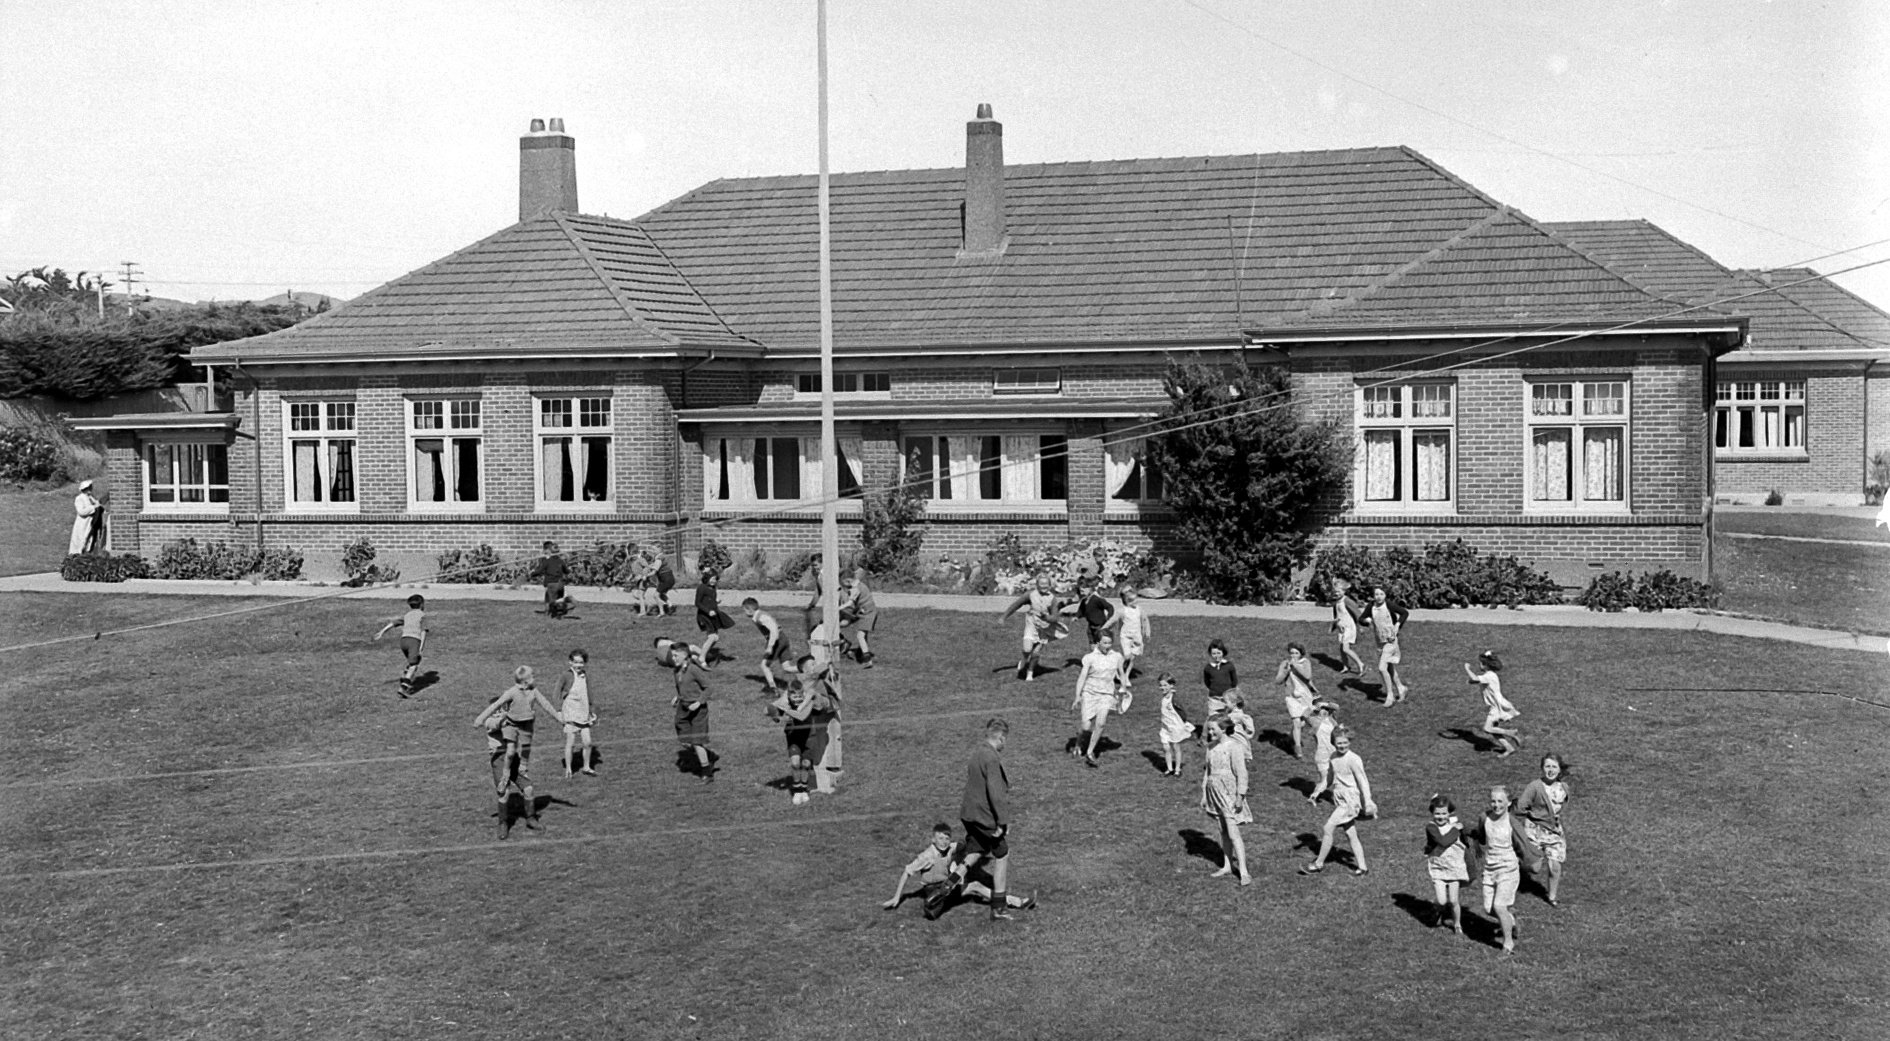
[
  {"x": 1090, "y": 761},
  {"x": 588, "y": 771},
  {"x": 1030, "y": 676},
  {"x": 1360, "y": 872},
  {"x": 868, "y": 663},
  {"x": 1312, "y": 869},
  {"x": 1030, "y": 902},
  {"x": 1002, "y": 914}
]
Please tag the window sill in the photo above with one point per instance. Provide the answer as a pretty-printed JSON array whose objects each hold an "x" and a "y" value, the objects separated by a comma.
[
  {"x": 322, "y": 507},
  {"x": 448, "y": 508},
  {"x": 1427, "y": 509},
  {"x": 1782, "y": 456},
  {"x": 592, "y": 506},
  {"x": 1564, "y": 509},
  {"x": 171, "y": 509}
]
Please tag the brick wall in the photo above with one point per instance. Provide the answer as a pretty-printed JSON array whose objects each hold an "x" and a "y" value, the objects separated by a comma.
[
  {"x": 1832, "y": 470},
  {"x": 1877, "y": 413}
]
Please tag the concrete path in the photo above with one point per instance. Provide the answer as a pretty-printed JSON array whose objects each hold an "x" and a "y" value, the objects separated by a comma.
[{"x": 1552, "y": 615}]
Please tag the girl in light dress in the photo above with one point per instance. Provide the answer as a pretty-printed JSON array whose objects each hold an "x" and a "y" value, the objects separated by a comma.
[
  {"x": 1541, "y": 811},
  {"x": 1175, "y": 726},
  {"x": 1224, "y": 797},
  {"x": 1132, "y": 631},
  {"x": 1323, "y": 725},
  {"x": 1243, "y": 723},
  {"x": 1498, "y": 710},
  {"x": 1444, "y": 860},
  {"x": 1295, "y": 673}
]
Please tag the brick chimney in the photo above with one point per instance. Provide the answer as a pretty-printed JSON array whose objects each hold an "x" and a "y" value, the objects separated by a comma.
[
  {"x": 547, "y": 171},
  {"x": 984, "y": 184}
]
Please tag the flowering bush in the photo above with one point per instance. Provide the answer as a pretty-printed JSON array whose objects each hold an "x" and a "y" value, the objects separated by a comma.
[{"x": 1013, "y": 568}]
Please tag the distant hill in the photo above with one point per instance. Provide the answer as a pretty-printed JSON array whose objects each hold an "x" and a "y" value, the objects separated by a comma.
[{"x": 312, "y": 301}]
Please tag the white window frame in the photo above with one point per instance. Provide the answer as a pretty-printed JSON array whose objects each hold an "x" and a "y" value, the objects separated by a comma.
[
  {"x": 1019, "y": 465},
  {"x": 741, "y": 483},
  {"x": 337, "y": 421},
  {"x": 1410, "y": 413},
  {"x": 177, "y": 464},
  {"x": 575, "y": 417},
  {"x": 1747, "y": 403},
  {"x": 851, "y": 385},
  {"x": 454, "y": 412},
  {"x": 1044, "y": 382},
  {"x": 1581, "y": 417}
]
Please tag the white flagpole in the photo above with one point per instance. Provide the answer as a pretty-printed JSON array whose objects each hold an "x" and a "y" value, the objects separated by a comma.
[{"x": 829, "y": 457}]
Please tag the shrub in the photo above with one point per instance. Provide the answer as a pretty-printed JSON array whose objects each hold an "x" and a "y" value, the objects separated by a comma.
[
  {"x": 797, "y": 567},
  {"x": 1653, "y": 591},
  {"x": 211, "y": 561},
  {"x": 1448, "y": 574},
  {"x": 605, "y": 564},
  {"x": 712, "y": 557},
  {"x": 892, "y": 533},
  {"x": 28, "y": 456},
  {"x": 279, "y": 564},
  {"x": 1879, "y": 480},
  {"x": 1011, "y": 567},
  {"x": 467, "y": 566},
  {"x": 1773, "y": 498},
  {"x": 95, "y": 567},
  {"x": 357, "y": 563}
]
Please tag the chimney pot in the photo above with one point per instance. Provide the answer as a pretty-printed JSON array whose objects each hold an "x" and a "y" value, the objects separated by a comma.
[
  {"x": 984, "y": 184},
  {"x": 547, "y": 172}
]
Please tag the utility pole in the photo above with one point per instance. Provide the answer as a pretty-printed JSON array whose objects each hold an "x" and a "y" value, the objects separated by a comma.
[{"x": 131, "y": 273}]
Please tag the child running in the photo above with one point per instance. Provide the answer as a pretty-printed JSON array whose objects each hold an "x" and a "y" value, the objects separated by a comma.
[
  {"x": 1345, "y": 612},
  {"x": 795, "y": 708},
  {"x": 1132, "y": 631},
  {"x": 692, "y": 709},
  {"x": 1444, "y": 860},
  {"x": 1295, "y": 673},
  {"x": 1175, "y": 726},
  {"x": 938, "y": 885},
  {"x": 710, "y": 618},
  {"x": 574, "y": 708},
  {"x": 552, "y": 569},
  {"x": 1096, "y": 687},
  {"x": 860, "y": 614},
  {"x": 1041, "y": 607},
  {"x": 413, "y": 639},
  {"x": 1497, "y": 708},
  {"x": 1500, "y": 840},
  {"x": 1351, "y": 799},
  {"x": 774, "y": 642},
  {"x": 1323, "y": 724},
  {"x": 519, "y": 707}
]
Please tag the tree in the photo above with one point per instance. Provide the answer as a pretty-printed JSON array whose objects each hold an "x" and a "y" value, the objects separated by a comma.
[
  {"x": 1248, "y": 483},
  {"x": 892, "y": 532}
]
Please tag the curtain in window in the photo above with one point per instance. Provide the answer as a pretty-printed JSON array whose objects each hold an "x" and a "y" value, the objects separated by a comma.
[
  {"x": 1381, "y": 465},
  {"x": 429, "y": 470},
  {"x": 574, "y": 452},
  {"x": 1601, "y": 465},
  {"x": 743, "y": 473},
  {"x": 1020, "y": 470},
  {"x": 341, "y": 471},
  {"x": 851, "y": 453},
  {"x": 964, "y": 467},
  {"x": 1119, "y": 465},
  {"x": 308, "y": 478},
  {"x": 1552, "y": 450},
  {"x": 1794, "y": 426},
  {"x": 1433, "y": 466},
  {"x": 553, "y": 456},
  {"x": 714, "y": 469},
  {"x": 466, "y": 469},
  {"x": 593, "y": 469}
]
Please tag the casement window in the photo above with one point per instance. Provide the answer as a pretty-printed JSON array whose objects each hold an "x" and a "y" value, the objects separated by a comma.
[
  {"x": 747, "y": 471},
  {"x": 846, "y": 383},
  {"x": 1020, "y": 468},
  {"x": 320, "y": 445},
  {"x": 574, "y": 437},
  {"x": 445, "y": 453},
  {"x": 1408, "y": 454},
  {"x": 187, "y": 476},
  {"x": 1578, "y": 445},
  {"x": 1027, "y": 381},
  {"x": 1130, "y": 475},
  {"x": 1754, "y": 416}
]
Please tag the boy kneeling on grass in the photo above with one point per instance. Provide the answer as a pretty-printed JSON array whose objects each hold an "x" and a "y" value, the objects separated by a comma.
[{"x": 936, "y": 867}]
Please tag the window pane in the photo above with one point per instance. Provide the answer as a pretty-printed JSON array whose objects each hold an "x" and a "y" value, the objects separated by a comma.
[
  {"x": 1746, "y": 426},
  {"x": 465, "y": 469},
  {"x": 1604, "y": 399},
  {"x": 991, "y": 468},
  {"x": 304, "y": 415},
  {"x": 1153, "y": 488},
  {"x": 594, "y": 469},
  {"x": 1770, "y": 434},
  {"x": 1722, "y": 426},
  {"x": 1430, "y": 401},
  {"x": 554, "y": 469},
  {"x": 1723, "y": 391},
  {"x": 220, "y": 495},
  {"x": 1794, "y": 426},
  {"x": 844, "y": 467},
  {"x": 1431, "y": 449},
  {"x": 305, "y": 464},
  {"x": 1383, "y": 475},
  {"x": 341, "y": 470},
  {"x": 466, "y": 414},
  {"x": 341, "y": 415},
  {"x": 945, "y": 468},
  {"x": 1552, "y": 399},
  {"x": 1382, "y": 402},
  {"x": 758, "y": 467},
  {"x": 846, "y": 383},
  {"x": 218, "y": 459},
  {"x": 1601, "y": 464},
  {"x": 787, "y": 467},
  {"x": 594, "y": 412},
  {"x": 429, "y": 470},
  {"x": 1551, "y": 463},
  {"x": 721, "y": 465},
  {"x": 876, "y": 382},
  {"x": 553, "y": 413},
  {"x": 1053, "y": 469},
  {"x": 807, "y": 383},
  {"x": 429, "y": 415}
]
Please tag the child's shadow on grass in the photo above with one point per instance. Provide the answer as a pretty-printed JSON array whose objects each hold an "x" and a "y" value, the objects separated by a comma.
[
  {"x": 1476, "y": 741},
  {"x": 1156, "y": 760},
  {"x": 1308, "y": 841},
  {"x": 1200, "y": 845},
  {"x": 686, "y": 760},
  {"x": 1328, "y": 661},
  {"x": 1416, "y": 906},
  {"x": 1278, "y": 739},
  {"x": 422, "y": 682},
  {"x": 1299, "y": 784}
]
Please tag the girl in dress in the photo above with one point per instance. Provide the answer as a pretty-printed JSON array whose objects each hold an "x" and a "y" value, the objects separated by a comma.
[
  {"x": 1224, "y": 797},
  {"x": 1041, "y": 607},
  {"x": 1323, "y": 724},
  {"x": 1541, "y": 811},
  {"x": 1498, "y": 709},
  {"x": 1295, "y": 673},
  {"x": 1132, "y": 631},
  {"x": 1243, "y": 723},
  {"x": 1175, "y": 726},
  {"x": 1443, "y": 857}
]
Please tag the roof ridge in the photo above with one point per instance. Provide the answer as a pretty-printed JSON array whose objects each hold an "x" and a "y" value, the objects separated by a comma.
[
  {"x": 1752, "y": 276},
  {"x": 706, "y": 306},
  {"x": 631, "y": 311},
  {"x": 1657, "y": 294},
  {"x": 1323, "y": 308}
]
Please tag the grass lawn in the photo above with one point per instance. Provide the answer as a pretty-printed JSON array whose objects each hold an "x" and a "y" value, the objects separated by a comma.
[
  {"x": 237, "y": 830},
  {"x": 1807, "y": 583},
  {"x": 1801, "y": 525},
  {"x": 35, "y": 524}
]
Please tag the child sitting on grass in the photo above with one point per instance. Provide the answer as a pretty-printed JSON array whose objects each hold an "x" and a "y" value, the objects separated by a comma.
[{"x": 939, "y": 884}]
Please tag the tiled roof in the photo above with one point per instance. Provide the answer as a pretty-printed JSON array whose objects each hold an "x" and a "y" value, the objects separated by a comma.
[
  {"x": 562, "y": 284},
  {"x": 1133, "y": 250},
  {"x": 1783, "y": 316}
]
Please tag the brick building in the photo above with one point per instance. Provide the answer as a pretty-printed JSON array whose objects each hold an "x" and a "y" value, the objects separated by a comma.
[
  {"x": 1001, "y": 334},
  {"x": 1804, "y": 405}
]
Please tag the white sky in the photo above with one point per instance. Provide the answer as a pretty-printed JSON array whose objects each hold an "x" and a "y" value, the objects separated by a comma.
[{"x": 236, "y": 148}]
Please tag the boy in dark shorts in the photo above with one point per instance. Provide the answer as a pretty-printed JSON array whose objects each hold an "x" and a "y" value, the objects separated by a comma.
[
  {"x": 692, "y": 709},
  {"x": 985, "y": 812},
  {"x": 1094, "y": 608},
  {"x": 413, "y": 639},
  {"x": 552, "y": 570},
  {"x": 517, "y": 712},
  {"x": 806, "y": 741},
  {"x": 774, "y": 648},
  {"x": 859, "y": 614},
  {"x": 937, "y": 882}
]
